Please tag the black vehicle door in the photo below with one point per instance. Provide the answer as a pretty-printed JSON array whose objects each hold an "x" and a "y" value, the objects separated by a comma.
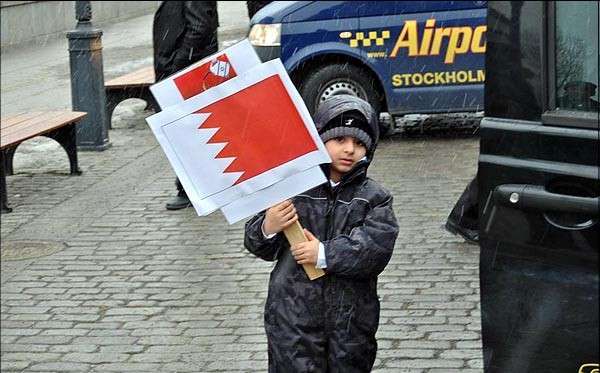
[{"x": 539, "y": 188}]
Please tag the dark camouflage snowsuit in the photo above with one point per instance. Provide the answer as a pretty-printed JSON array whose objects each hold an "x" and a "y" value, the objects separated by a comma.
[{"x": 329, "y": 324}]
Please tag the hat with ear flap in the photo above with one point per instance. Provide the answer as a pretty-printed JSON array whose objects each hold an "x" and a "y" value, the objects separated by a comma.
[{"x": 350, "y": 123}]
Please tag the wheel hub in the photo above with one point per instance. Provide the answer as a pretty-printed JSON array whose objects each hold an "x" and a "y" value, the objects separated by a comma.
[{"x": 342, "y": 87}]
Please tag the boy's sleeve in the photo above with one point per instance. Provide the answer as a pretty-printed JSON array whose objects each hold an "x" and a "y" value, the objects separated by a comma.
[
  {"x": 367, "y": 249},
  {"x": 256, "y": 242}
]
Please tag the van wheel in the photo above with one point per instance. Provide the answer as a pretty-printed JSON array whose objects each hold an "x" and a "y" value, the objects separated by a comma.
[{"x": 336, "y": 79}]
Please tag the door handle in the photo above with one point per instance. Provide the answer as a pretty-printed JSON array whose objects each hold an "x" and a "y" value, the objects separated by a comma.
[{"x": 536, "y": 198}]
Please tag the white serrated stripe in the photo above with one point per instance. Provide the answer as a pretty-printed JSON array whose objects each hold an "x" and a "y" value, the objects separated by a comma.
[
  {"x": 213, "y": 149},
  {"x": 224, "y": 162}
]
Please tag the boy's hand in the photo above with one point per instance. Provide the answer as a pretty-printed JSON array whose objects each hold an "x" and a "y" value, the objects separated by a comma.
[
  {"x": 279, "y": 217},
  {"x": 306, "y": 252}
]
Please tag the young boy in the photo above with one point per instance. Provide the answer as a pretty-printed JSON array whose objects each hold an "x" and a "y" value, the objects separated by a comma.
[{"x": 329, "y": 324}]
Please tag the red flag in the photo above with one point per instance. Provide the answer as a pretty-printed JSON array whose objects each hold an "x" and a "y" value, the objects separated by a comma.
[
  {"x": 205, "y": 76},
  {"x": 261, "y": 126}
]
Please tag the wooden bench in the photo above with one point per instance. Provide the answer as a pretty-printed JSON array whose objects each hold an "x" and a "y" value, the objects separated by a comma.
[
  {"x": 57, "y": 125},
  {"x": 133, "y": 85}
]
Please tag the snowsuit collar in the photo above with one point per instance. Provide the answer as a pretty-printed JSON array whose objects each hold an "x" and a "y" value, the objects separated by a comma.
[{"x": 359, "y": 172}]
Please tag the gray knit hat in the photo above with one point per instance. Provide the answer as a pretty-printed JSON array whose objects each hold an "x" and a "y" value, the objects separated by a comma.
[{"x": 348, "y": 124}]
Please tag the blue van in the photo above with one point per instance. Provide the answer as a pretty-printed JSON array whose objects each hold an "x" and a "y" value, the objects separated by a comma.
[{"x": 404, "y": 57}]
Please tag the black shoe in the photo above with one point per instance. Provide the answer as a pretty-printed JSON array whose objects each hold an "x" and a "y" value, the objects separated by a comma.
[
  {"x": 178, "y": 202},
  {"x": 471, "y": 236}
]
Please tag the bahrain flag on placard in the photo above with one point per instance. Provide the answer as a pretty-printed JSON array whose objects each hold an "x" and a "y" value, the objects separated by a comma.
[
  {"x": 246, "y": 143},
  {"x": 257, "y": 121},
  {"x": 205, "y": 74}
]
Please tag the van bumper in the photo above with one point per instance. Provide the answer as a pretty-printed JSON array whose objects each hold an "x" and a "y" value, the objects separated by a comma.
[{"x": 268, "y": 53}]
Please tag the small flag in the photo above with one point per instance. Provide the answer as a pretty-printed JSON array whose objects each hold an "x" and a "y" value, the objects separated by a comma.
[{"x": 205, "y": 74}]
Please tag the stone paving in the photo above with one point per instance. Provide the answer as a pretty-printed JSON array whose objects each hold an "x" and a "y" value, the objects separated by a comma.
[
  {"x": 138, "y": 288},
  {"x": 125, "y": 286}
]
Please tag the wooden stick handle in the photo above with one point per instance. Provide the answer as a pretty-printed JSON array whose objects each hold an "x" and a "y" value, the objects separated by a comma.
[{"x": 295, "y": 234}]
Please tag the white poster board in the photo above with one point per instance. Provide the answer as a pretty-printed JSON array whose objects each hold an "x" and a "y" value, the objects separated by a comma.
[{"x": 244, "y": 144}]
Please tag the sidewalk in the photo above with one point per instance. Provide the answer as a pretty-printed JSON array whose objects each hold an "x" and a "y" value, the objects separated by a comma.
[
  {"x": 38, "y": 76},
  {"x": 96, "y": 276}
]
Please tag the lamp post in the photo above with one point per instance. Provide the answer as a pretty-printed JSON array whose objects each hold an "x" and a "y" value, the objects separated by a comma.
[{"x": 87, "y": 80}]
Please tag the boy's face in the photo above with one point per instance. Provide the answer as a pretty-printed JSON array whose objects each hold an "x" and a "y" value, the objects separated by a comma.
[{"x": 345, "y": 152}]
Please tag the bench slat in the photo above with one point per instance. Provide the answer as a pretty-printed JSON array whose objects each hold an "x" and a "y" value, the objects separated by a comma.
[
  {"x": 39, "y": 125},
  {"x": 31, "y": 131},
  {"x": 44, "y": 120},
  {"x": 9, "y": 124},
  {"x": 144, "y": 74},
  {"x": 18, "y": 118},
  {"x": 138, "y": 78}
]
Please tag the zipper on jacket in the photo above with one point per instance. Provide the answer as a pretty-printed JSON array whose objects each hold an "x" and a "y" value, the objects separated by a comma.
[
  {"x": 330, "y": 211},
  {"x": 333, "y": 193}
]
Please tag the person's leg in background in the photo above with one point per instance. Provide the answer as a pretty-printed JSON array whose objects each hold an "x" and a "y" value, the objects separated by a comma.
[
  {"x": 464, "y": 218},
  {"x": 181, "y": 200}
]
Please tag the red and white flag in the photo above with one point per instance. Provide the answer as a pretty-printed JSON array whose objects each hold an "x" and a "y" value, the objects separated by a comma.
[
  {"x": 246, "y": 143},
  {"x": 205, "y": 74}
]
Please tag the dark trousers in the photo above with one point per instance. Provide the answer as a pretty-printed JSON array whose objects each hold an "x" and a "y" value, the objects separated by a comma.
[
  {"x": 180, "y": 190},
  {"x": 320, "y": 355},
  {"x": 464, "y": 218}
]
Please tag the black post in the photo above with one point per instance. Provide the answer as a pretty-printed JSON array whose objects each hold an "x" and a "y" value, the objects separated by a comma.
[
  {"x": 3, "y": 196},
  {"x": 87, "y": 80}
]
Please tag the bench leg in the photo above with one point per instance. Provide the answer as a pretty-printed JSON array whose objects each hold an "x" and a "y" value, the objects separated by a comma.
[
  {"x": 115, "y": 96},
  {"x": 67, "y": 138},
  {"x": 151, "y": 103},
  {"x": 9, "y": 155},
  {"x": 3, "y": 197},
  {"x": 112, "y": 100}
]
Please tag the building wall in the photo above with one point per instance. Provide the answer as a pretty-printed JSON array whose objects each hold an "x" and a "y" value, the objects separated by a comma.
[{"x": 38, "y": 21}]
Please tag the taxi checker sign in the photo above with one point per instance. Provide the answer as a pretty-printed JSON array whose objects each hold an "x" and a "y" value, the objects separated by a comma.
[{"x": 246, "y": 136}]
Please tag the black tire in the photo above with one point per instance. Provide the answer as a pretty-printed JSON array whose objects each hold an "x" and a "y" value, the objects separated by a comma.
[{"x": 351, "y": 79}]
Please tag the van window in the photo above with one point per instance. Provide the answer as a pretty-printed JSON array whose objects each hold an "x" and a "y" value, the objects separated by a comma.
[{"x": 576, "y": 40}]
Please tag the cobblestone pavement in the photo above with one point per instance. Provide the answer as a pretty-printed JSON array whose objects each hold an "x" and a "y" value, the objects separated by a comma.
[
  {"x": 138, "y": 288},
  {"x": 96, "y": 276}
]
